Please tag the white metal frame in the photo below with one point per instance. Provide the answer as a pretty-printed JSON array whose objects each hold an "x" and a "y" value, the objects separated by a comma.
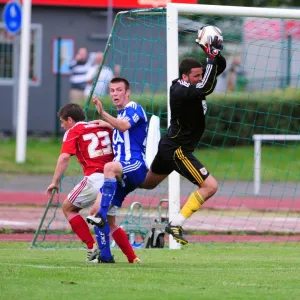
[
  {"x": 37, "y": 57},
  {"x": 21, "y": 132},
  {"x": 258, "y": 138},
  {"x": 173, "y": 9}
]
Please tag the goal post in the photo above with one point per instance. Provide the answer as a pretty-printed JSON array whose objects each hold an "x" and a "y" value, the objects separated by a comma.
[
  {"x": 258, "y": 138},
  {"x": 240, "y": 11},
  {"x": 172, "y": 72}
]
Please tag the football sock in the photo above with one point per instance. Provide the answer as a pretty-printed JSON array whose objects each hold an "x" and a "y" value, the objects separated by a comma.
[
  {"x": 193, "y": 203},
  {"x": 102, "y": 236},
  {"x": 178, "y": 220},
  {"x": 121, "y": 239},
  {"x": 108, "y": 192},
  {"x": 81, "y": 228}
]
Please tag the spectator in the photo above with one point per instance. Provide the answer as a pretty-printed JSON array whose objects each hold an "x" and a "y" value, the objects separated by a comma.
[
  {"x": 105, "y": 76},
  {"x": 79, "y": 68},
  {"x": 228, "y": 79},
  {"x": 234, "y": 70}
]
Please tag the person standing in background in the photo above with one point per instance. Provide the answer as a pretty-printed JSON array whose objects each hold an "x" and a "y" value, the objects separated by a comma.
[
  {"x": 79, "y": 68},
  {"x": 105, "y": 76},
  {"x": 234, "y": 71}
]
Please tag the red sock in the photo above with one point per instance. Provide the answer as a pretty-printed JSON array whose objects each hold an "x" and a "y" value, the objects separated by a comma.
[
  {"x": 121, "y": 239},
  {"x": 81, "y": 228}
]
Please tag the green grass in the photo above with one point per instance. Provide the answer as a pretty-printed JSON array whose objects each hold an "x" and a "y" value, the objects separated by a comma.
[
  {"x": 218, "y": 271},
  {"x": 41, "y": 157},
  {"x": 279, "y": 163}
]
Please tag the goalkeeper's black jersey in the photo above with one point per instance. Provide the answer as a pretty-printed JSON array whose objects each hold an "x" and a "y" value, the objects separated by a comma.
[{"x": 188, "y": 106}]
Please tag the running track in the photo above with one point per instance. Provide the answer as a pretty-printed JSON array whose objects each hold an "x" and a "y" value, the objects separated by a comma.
[
  {"x": 21, "y": 211},
  {"x": 256, "y": 203}
]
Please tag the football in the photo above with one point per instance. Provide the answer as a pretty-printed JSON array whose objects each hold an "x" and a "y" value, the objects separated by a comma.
[{"x": 208, "y": 32}]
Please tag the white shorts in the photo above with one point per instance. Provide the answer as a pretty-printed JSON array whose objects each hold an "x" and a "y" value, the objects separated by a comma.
[
  {"x": 113, "y": 211},
  {"x": 84, "y": 194}
]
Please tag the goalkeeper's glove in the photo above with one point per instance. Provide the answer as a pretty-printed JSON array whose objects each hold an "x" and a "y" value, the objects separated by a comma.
[{"x": 214, "y": 47}]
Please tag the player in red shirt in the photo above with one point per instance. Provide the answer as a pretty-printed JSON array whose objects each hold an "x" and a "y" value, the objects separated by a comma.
[{"x": 92, "y": 146}]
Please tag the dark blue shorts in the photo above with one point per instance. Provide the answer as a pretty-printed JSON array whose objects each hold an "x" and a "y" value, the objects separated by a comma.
[{"x": 134, "y": 173}]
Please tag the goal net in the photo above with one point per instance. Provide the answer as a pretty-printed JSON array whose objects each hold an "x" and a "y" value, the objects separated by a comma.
[{"x": 257, "y": 94}]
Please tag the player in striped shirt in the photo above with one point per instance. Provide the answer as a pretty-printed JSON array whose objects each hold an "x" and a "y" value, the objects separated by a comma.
[{"x": 128, "y": 170}]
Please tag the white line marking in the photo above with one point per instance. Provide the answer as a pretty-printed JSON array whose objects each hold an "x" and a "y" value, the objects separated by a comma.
[
  {"x": 5, "y": 223},
  {"x": 143, "y": 267},
  {"x": 42, "y": 266}
]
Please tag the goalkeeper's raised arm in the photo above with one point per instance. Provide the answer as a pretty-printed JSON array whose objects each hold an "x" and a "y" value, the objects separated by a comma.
[
  {"x": 212, "y": 45},
  {"x": 208, "y": 77}
]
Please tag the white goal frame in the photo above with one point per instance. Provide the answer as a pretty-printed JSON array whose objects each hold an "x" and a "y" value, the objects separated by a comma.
[
  {"x": 258, "y": 138},
  {"x": 173, "y": 9}
]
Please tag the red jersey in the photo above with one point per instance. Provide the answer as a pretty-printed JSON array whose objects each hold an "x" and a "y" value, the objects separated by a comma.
[{"x": 91, "y": 145}]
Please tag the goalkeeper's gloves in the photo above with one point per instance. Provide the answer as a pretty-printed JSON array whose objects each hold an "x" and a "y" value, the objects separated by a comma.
[{"x": 214, "y": 47}]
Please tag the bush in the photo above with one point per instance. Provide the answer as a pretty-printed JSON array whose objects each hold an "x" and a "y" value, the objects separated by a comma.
[{"x": 232, "y": 118}]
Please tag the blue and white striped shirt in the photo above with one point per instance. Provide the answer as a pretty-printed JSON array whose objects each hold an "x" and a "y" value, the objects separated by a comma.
[{"x": 131, "y": 144}]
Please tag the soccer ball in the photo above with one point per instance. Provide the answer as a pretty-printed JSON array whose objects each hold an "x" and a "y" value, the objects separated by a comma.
[{"x": 207, "y": 32}]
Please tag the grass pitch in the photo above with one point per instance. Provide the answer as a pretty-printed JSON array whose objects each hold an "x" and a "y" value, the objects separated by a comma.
[{"x": 198, "y": 271}]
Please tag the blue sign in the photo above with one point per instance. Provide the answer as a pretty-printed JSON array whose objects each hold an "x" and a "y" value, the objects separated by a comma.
[
  {"x": 66, "y": 55},
  {"x": 12, "y": 17}
]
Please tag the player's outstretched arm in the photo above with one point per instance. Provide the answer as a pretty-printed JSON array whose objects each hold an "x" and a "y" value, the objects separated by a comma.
[
  {"x": 98, "y": 104},
  {"x": 61, "y": 167},
  {"x": 102, "y": 124},
  {"x": 211, "y": 42},
  {"x": 121, "y": 125},
  {"x": 210, "y": 39}
]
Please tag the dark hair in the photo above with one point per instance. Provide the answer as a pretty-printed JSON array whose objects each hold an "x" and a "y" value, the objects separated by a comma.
[
  {"x": 187, "y": 65},
  {"x": 121, "y": 79},
  {"x": 73, "y": 111}
]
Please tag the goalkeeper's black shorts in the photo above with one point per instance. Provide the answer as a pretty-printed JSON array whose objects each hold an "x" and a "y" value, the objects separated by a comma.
[{"x": 172, "y": 157}]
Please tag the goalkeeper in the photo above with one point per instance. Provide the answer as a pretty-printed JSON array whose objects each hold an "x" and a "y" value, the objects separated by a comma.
[{"x": 175, "y": 151}]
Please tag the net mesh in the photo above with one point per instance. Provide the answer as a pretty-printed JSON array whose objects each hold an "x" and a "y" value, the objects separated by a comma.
[{"x": 257, "y": 94}]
